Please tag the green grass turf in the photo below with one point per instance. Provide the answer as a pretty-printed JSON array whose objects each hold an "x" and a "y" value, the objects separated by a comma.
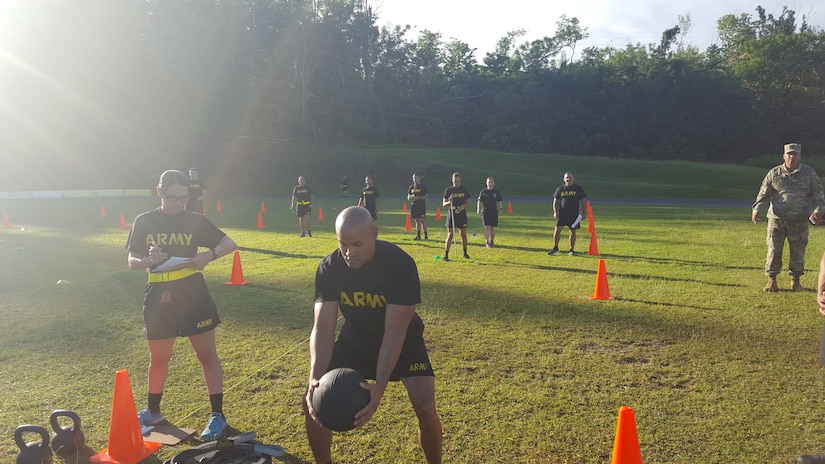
[
  {"x": 529, "y": 369},
  {"x": 540, "y": 174},
  {"x": 270, "y": 172}
]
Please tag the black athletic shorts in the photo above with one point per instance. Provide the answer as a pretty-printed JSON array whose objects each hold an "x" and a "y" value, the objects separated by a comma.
[
  {"x": 460, "y": 219},
  {"x": 565, "y": 220},
  {"x": 303, "y": 210},
  {"x": 418, "y": 210},
  {"x": 413, "y": 361},
  {"x": 373, "y": 213},
  {"x": 179, "y": 308},
  {"x": 489, "y": 218}
]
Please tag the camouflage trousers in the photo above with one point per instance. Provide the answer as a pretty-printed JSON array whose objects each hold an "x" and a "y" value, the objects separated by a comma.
[{"x": 796, "y": 232}]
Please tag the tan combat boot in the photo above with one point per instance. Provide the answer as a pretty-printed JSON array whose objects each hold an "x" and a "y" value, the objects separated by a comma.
[
  {"x": 771, "y": 285},
  {"x": 796, "y": 286}
]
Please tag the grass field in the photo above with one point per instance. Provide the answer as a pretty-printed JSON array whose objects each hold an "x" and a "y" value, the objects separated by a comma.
[{"x": 529, "y": 369}]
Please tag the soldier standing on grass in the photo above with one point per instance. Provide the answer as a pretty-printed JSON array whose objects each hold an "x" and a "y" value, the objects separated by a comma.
[
  {"x": 301, "y": 203},
  {"x": 457, "y": 198},
  {"x": 566, "y": 201},
  {"x": 197, "y": 192},
  {"x": 417, "y": 195},
  {"x": 344, "y": 187},
  {"x": 370, "y": 197},
  {"x": 490, "y": 206},
  {"x": 176, "y": 301},
  {"x": 792, "y": 195}
]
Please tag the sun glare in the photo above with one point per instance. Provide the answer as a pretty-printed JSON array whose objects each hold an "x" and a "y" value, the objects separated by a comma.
[{"x": 60, "y": 103}]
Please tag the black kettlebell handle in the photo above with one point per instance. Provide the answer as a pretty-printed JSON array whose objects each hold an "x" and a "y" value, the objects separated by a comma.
[
  {"x": 64, "y": 413},
  {"x": 18, "y": 436},
  {"x": 66, "y": 439}
]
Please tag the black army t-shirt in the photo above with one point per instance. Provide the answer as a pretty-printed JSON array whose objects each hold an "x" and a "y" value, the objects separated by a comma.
[{"x": 363, "y": 294}]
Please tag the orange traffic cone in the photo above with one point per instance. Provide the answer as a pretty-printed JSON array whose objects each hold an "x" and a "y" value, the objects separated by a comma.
[
  {"x": 509, "y": 207},
  {"x": 591, "y": 225},
  {"x": 404, "y": 208},
  {"x": 102, "y": 211},
  {"x": 122, "y": 221},
  {"x": 594, "y": 245},
  {"x": 438, "y": 213},
  {"x": 263, "y": 207},
  {"x": 218, "y": 206},
  {"x": 5, "y": 219},
  {"x": 408, "y": 227},
  {"x": 320, "y": 213},
  {"x": 237, "y": 272},
  {"x": 626, "y": 444},
  {"x": 260, "y": 222},
  {"x": 602, "y": 290},
  {"x": 126, "y": 445}
]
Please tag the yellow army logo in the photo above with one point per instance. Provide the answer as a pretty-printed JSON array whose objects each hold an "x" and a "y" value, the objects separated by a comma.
[
  {"x": 204, "y": 323},
  {"x": 164, "y": 239},
  {"x": 363, "y": 299},
  {"x": 417, "y": 367}
]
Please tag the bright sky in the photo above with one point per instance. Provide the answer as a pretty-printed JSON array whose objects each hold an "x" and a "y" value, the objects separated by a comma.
[{"x": 609, "y": 22}]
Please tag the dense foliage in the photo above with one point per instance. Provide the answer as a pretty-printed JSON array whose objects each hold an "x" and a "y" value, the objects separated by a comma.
[{"x": 129, "y": 83}]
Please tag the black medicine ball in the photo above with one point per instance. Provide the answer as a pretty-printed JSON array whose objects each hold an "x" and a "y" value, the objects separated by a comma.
[{"x": 338, "y": 397}]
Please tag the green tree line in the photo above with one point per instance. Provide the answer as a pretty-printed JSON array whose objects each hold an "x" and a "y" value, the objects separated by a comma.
[{"x": 140, "y": 80}]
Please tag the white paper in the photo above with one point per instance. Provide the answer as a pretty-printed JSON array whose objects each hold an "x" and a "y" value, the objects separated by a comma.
[
  {"x": 172, "y": 264},
  {"x": 576, "y": 222}
]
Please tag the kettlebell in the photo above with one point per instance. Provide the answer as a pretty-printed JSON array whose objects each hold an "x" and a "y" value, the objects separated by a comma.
[
  {"x": 35, "y": 452},
  {"x": 66, "y": 439}
]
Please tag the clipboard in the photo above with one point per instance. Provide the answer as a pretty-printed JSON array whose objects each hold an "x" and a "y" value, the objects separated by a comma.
[
  {"x": 576, "y": 222},
  {"x": 172, "y": 264}
]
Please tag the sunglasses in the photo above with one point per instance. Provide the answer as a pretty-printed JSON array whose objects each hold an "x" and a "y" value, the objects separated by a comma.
[{"x": 173, "y": 199}]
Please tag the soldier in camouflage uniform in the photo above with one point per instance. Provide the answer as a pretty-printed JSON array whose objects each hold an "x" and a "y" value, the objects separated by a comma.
[{"x": 792, "y": 195}]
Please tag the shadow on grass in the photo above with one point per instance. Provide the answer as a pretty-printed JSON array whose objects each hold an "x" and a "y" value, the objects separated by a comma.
[
  {"x": 279, "y": 254},
  {"x": 659, "y": 303},
  {"x": 439, "y": 244},
  {"x": 653, "y": 260},
  {"x": 638, "y": 319},
  {"x": 614, "y": 274},
  {"x": 510, "y": 308}
]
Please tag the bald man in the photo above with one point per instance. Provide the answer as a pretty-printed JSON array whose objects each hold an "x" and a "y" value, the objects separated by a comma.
[{"x": 375, "y": 285}]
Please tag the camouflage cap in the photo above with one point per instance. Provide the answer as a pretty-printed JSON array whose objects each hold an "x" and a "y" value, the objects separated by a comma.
[{"x": 793, "y": 147}]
